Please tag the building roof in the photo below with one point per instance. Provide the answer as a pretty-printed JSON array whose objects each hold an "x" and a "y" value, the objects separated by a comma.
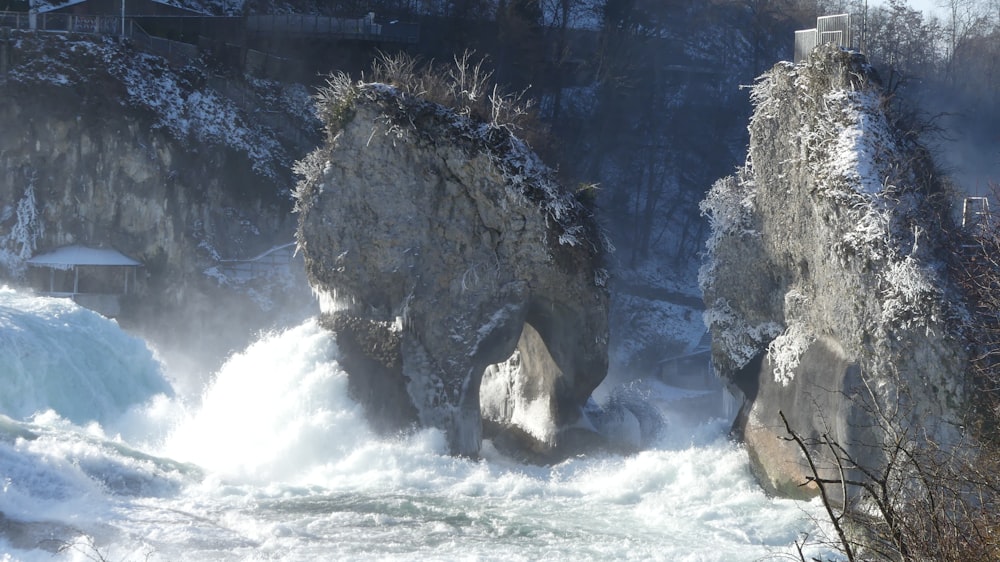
[
  {"x": 42, "y": 6},
  {"x": 69, "y": 256}
]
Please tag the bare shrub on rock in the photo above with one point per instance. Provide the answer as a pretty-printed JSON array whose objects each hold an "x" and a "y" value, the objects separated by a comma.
[
  {"x": 926, "y": 501},
  {"x": 467, "y": 87}
]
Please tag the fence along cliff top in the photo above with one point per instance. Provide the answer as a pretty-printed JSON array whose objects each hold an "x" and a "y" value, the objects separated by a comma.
[
  {"x": 829, "y": 29},
  {"x": 109, "y": 17}
]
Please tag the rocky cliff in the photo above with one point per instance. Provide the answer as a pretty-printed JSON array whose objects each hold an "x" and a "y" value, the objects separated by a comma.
[
  {"x": 102, "y": 145},
  {"x": 826, "y": 284},
  {"x": 441, "y": 245}
]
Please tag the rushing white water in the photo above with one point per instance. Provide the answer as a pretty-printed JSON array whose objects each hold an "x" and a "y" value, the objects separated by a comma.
[
  {"x": 56, "y": 355},
  {"x": 275, "y": 462}
]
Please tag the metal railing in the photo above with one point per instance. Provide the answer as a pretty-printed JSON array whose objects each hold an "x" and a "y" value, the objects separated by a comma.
[
  {"x": 290, "y": 24},
  {"x": 348, "y": 28},
  {"x": 177, "y": 52},
  {"x": 805, "y": 41},
  {"x": 833, "y": 24},
  {"x": 834, "y": 29},
  {"x": 104, "y": 25},
  {"x": 976, "y": 214},
  {"x": 269, "y": 262}
]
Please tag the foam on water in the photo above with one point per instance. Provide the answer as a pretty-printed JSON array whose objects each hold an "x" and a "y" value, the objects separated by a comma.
[
  {"x": 274, "y": 412},
  {"x": 277, "y": 463},
  {"x": 59, "y": 356}
]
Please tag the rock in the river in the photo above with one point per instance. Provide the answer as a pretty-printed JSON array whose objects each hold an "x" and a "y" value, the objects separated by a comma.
[
  {"x": 828, "y": 295},
  {"x": 442, "y": 238}
]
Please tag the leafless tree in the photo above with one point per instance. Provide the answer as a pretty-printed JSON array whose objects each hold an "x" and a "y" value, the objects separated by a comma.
[{"x": 925, "y": 500}]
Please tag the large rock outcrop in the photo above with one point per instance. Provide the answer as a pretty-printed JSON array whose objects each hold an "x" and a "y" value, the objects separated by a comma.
[
  {"x": 826, "y": 285},
  {"x": 434, "y": 240}
]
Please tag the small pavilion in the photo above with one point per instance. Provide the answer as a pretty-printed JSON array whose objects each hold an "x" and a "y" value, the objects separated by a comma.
[{"x": 93, "y": 277}]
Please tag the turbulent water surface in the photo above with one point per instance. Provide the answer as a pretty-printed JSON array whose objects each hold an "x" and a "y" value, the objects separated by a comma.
[{"x": 100, "y": 460}]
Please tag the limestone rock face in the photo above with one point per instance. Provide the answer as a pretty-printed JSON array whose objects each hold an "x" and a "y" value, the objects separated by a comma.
[
  {"x": 107, "y": 179},
  {"x": 450, "y": 236},
  {"x": 827, "y": 294}
]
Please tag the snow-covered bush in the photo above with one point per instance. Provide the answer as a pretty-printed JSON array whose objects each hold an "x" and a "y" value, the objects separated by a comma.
[
  {"x": 741, "y": 340},
  {"x": 786, "y": 350},
  {"x": 729, "y": 207},
  {"x": 20, "y": 244},
  {"x": 912, "y": 294},
  {"x": 467, "y": 87}
]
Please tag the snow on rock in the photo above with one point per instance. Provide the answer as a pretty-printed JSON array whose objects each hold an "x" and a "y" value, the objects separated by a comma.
[
  {"x": 178, "y": 98},
  {"x": 450, "y": 229},
  {"x": 864, "y": 142},
  {"x": 824, "y": 278}
]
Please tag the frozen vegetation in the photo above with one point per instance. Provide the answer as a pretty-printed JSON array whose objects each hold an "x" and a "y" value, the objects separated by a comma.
[
  {"x": 852, "y": 156},
  {"x": 827, "y": 265},
  {"x": 180, "y": 100}
]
